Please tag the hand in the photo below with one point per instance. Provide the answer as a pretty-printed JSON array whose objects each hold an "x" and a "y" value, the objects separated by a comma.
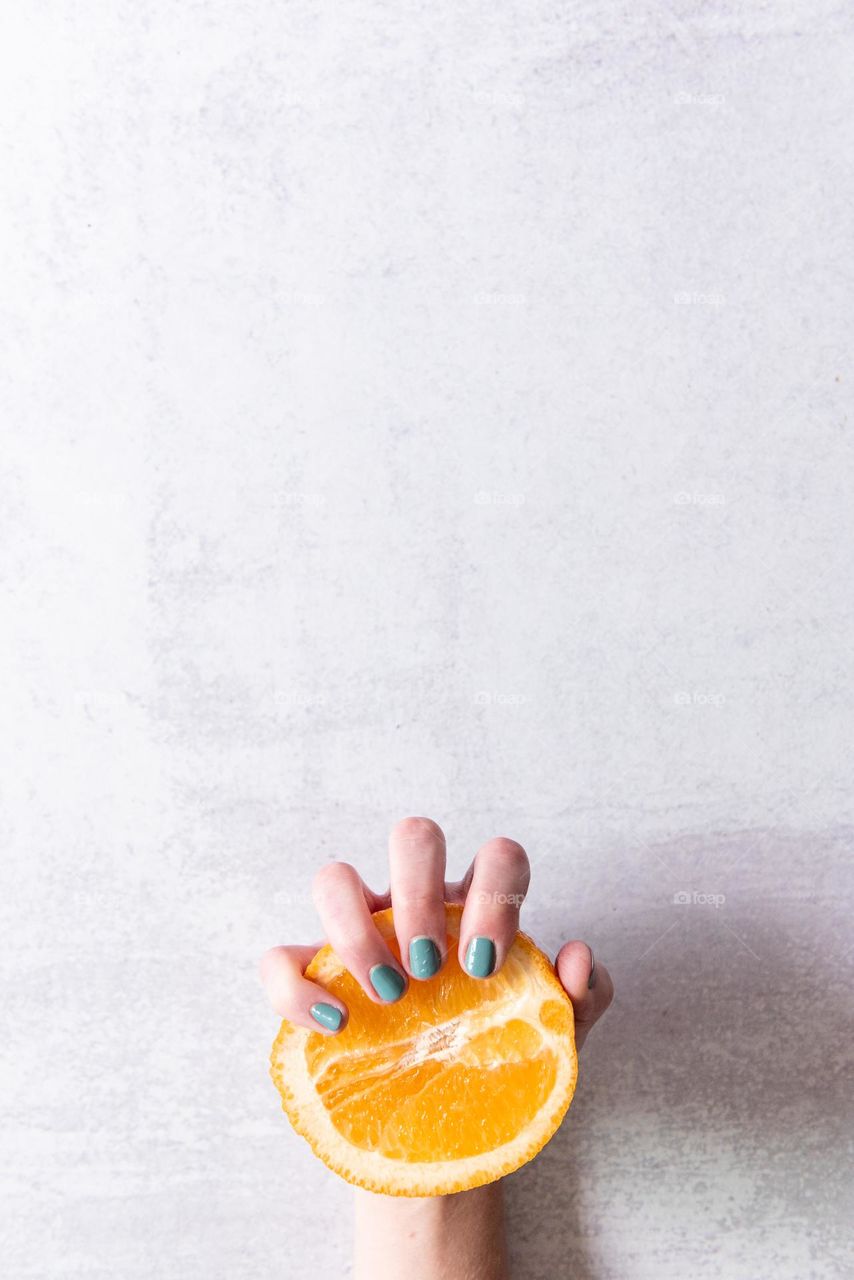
[
  {"x": 440, "y": 1237},
  {"x": 491, "y": 893}
]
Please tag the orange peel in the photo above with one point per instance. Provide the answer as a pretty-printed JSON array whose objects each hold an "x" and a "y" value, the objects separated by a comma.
[{"x": 456, "y": 1084}]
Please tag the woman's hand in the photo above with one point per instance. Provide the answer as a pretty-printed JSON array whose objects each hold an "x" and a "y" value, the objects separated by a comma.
[
  {"x": 491, "y": 893},
  {"x": 440, "y": 1237}
]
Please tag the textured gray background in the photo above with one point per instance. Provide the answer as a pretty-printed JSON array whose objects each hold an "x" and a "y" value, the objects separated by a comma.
[{"x": 426, "y": 409}]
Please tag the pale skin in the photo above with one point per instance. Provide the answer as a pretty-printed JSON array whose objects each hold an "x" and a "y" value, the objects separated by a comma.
[{"x": 457, "y": 1237}]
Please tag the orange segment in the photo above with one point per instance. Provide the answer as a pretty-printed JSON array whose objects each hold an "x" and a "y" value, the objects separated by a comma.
[{"x": 458, "y": 1083}]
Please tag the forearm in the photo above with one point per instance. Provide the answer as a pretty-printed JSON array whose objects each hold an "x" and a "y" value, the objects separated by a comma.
[{"x": 459, "y": 1237}]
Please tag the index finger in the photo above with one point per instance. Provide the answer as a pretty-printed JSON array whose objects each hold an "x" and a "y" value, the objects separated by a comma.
[{"x": 499, "y": 881}]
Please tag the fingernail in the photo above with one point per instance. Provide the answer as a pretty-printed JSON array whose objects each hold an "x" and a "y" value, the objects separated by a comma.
[
  {"x": 424, "y": 958},
  {"x": 480, "y": 957},
  {"x": 591, "y": 981},
  {"x": 327, "y": 1015},
  {"x": 387, "y": 982}
]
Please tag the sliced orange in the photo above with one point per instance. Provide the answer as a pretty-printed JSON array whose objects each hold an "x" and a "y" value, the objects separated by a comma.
[{"x": 458, "y": 1083}]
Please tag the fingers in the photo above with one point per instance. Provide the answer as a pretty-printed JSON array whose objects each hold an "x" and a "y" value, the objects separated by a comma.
[
  {"x": 499, "y": 881},
  {"x": 345, "y": 903},
  {"x": 587, "y": 983},
  {"x": 294, "y": 996},
  {"x": 417, "y": 870},
  {"x": 492, "y": 892}
]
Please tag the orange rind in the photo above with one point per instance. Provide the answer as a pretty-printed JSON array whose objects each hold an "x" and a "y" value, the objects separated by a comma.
[{"x": 456, "y": 1084}]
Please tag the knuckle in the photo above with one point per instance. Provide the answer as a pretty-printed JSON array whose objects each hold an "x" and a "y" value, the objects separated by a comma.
[
  {"x": 277, "y": 978},
  {"x": 416, "y": 900},
  {"x": 331, "y": 879},
  {"x": 280, "y": 962},
  {"x": 269, "y": 963},
  {"x": 358, "y": 943},
  {"x": 418, "y": 829},
  {"x": 508, "y": 858}
]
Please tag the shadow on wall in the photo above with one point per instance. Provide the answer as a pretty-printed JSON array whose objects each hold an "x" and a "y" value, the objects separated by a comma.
[{"x": 711, "y": 1131}]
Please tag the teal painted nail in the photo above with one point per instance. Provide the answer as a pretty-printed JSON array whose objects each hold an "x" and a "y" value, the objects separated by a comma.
[
  {"x": 424, "y": 957},
  {"x": 591, "y": 981},
  {"x": 387, "y": 982},
  {"x": 327, "y": 1015},
  {"x": 480, "y": 957}
]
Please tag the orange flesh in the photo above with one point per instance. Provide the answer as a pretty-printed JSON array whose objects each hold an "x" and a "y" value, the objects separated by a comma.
[
  {"x": 401, "y": 1082},
  {"x": 458, "y": 1083}
]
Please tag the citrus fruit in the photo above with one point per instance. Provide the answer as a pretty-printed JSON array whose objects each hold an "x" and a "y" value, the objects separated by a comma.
[{"x": 459, "y": 1082}]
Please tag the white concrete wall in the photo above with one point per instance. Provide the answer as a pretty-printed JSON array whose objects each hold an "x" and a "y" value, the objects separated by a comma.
[{"x": 426, "y": 409}]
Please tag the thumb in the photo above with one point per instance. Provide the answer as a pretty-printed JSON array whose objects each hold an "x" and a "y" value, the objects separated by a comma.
[{"x": 587, "y": 983}]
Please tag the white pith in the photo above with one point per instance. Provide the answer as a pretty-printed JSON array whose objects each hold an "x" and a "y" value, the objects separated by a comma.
[{"x": 442, "y": 1042}]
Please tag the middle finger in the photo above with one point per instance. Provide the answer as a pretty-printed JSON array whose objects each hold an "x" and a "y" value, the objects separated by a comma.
[{"x": 417, "y": 872}]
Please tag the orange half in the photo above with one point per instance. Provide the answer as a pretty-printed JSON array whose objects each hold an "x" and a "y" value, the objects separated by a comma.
[{"x": 458, "y": 1083}]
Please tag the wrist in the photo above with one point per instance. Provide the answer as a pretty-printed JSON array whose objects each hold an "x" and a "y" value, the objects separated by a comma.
[{"x": 431, "y": 1238}]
